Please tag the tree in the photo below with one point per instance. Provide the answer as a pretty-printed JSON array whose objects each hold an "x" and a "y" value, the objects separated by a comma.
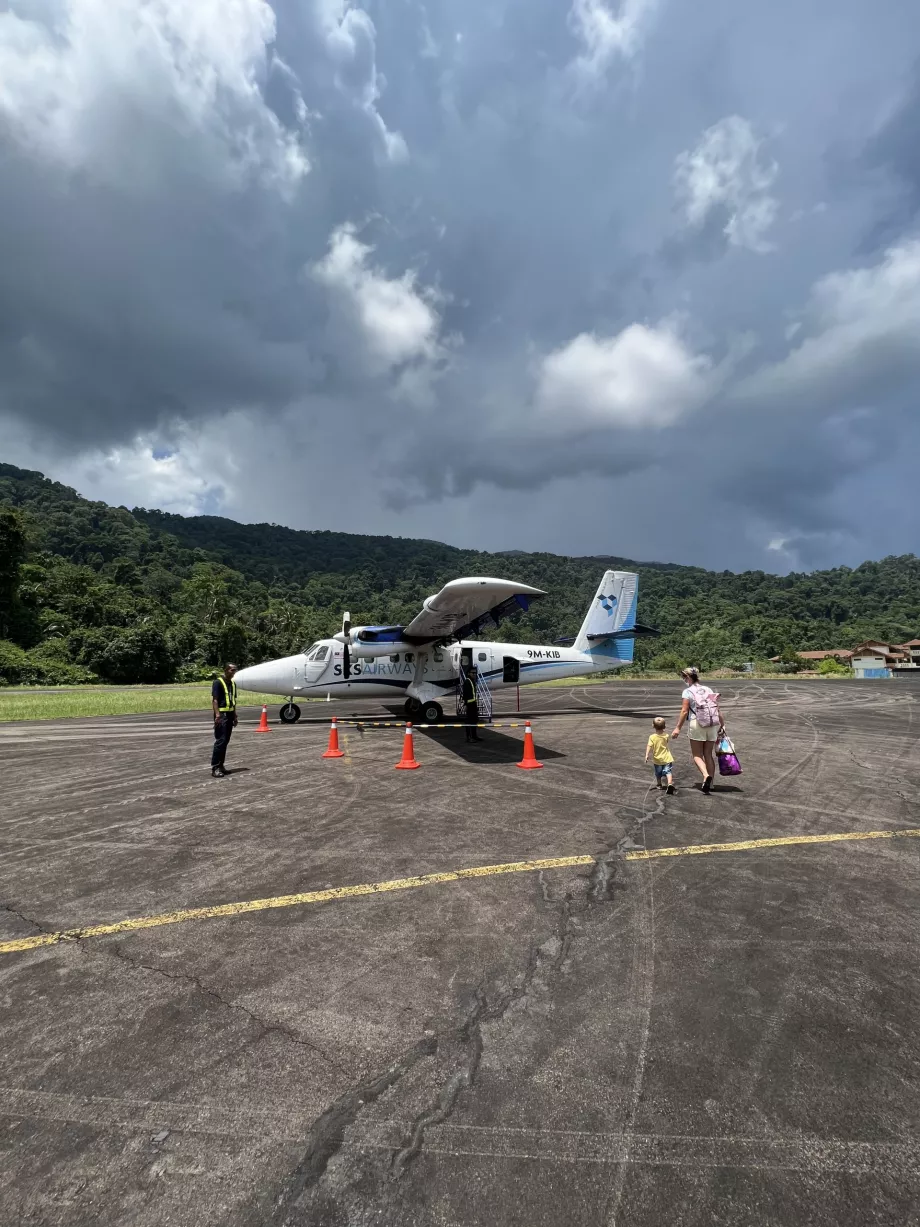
[
  {"x": 791, "y": 659},
  {"x": 139, "y": 655},
  {"x": 713, "y": 646},
  {"x": 831, "y": 667},
  {"x": 668, "y": 662},
  {"x": 13, "y": 661},
  {"x": 208, "y": 594},
  {"x": 12, "y": 556}
]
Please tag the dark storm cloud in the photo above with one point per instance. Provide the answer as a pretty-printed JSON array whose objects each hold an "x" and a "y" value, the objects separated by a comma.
[
  {"x": 483, "y": 252},
  {"x": 895, "y": 150}
]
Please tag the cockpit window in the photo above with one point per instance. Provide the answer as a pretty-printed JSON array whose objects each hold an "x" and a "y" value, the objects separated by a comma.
[{"x": 318, "y": 651}]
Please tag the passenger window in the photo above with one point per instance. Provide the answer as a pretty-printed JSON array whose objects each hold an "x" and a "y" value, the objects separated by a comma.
[
  {"x": 394, "y": 659},
  {"x": 410, "y": 656},
  {"x": 483, "y": 656}
]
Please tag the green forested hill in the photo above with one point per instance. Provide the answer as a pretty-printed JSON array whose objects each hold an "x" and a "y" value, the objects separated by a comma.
[{"x": 88, "y": 590}]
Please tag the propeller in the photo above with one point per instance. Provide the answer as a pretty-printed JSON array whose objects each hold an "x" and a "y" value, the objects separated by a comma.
[{"x": 346, "y": 640}]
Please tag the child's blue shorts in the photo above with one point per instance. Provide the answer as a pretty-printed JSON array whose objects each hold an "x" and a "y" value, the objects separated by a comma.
[{"x": 662, "y": 769}]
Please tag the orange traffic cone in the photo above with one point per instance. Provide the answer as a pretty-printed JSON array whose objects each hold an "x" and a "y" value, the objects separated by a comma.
[
  {"x": 529, "y": 761},
  {"x": 333, "y": 750},
  {"x": 407, "y": 762},
  {"x": 263, "y": 723}
]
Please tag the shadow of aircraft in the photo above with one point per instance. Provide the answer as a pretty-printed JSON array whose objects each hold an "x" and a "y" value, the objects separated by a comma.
[{"x": 494, "y": 746}]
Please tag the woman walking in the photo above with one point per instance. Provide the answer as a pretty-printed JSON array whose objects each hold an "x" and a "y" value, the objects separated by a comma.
[{"x": 701, "y": 706}]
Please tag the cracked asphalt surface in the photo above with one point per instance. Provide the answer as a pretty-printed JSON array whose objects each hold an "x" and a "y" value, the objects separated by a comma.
[{"x": 718, "y": 1039}]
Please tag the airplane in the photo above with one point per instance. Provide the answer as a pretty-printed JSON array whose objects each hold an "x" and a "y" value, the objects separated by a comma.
[{"x": 423, "y": 659}]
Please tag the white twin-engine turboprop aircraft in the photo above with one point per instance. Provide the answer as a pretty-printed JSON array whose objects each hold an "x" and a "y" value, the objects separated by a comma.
[{"x": 423, "y": 660}]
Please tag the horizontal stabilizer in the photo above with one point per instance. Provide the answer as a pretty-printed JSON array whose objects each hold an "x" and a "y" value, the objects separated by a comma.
[{"x": 631, "y": 632}]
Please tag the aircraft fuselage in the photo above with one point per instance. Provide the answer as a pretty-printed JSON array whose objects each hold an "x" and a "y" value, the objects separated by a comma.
[{"x": 426, "y": 673}]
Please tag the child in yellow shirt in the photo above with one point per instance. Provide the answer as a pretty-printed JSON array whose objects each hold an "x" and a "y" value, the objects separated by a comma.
[{"x": 662, "y": 758}]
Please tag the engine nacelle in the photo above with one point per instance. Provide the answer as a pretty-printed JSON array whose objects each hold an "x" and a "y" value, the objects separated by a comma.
[
  {"x": 373, "y": 651},
  {"x": 372, "y": 642}
]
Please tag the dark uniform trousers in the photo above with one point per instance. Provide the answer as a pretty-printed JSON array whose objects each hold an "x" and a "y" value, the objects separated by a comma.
[
  {"x": 471, "y": 699},
  {"x": 223, "y": 729}
]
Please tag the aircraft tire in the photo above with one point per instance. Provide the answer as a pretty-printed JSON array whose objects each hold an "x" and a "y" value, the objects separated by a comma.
[
  {"x": 412, "y": 707},
  {"x": 289, "y": 713},
  {"x": 432, "y": 713}
]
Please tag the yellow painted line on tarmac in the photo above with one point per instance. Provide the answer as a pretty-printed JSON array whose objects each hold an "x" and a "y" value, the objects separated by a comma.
[
  {"x": 310, "y": 896},
  {"x": 133, "y": 924},
  {"x": 744, "y": 845}
]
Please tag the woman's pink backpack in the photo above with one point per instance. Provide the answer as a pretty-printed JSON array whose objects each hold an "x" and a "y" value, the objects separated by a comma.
[{"x": 705, "y": 704}]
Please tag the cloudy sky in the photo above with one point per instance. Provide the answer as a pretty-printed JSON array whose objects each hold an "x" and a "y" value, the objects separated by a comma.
[{"x": 626, "y": 276}]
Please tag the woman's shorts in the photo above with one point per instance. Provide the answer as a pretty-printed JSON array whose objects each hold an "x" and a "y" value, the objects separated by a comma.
[
  {"x": 704, "y": 732},
  {"x": 662, "y": 769}
]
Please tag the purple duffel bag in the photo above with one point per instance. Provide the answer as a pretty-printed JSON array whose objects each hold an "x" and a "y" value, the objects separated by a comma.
[{"x": 728, "y": 759}]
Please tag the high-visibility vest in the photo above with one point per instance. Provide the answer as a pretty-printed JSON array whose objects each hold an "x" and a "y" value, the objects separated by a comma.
[
  {"x": 469, "y": 695},
  {"x": 229, "y": 695}
]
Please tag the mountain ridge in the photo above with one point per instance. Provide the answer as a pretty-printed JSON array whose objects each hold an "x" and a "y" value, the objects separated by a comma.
[{"x": 90, "y": 590}]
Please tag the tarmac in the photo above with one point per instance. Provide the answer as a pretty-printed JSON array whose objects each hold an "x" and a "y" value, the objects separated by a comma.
[{"x": 624, "y": 1037}]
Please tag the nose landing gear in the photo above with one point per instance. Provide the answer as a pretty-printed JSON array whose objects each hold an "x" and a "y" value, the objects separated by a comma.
[{"x": 289, "y": 713}]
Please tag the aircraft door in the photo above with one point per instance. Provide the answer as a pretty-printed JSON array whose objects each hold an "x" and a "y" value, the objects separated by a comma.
[
  {"x": 315, "y": 664},
  {"x": 511, "y": 670}
]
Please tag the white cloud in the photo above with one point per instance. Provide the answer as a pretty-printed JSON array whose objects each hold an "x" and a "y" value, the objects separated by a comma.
[
  {"x": 192, "y": 477},
  {"x": 607, "y": 34},
  {"x": 399, "y": 322},
  {"x": 351, "y": 41},
  {"x": 864, "y": 327},
  {"x": 642, "y": 377},
  {"x": 728, "y": 171},
  {"x": 108, "y": 85}
]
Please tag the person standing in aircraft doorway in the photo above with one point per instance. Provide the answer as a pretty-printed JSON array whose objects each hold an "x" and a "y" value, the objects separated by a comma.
[{"x": 471, "y": 699}]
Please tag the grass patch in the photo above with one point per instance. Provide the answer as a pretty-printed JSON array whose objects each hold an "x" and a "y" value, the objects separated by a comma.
[{"x": 108, "y": 701}]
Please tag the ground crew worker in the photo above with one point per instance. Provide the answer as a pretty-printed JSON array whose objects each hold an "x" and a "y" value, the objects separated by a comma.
[
  {"x": 223, "y": 701},
  {"x": 471, "y": 699}
]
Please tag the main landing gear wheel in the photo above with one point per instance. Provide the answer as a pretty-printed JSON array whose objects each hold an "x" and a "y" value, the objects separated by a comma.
[
  {"x": 289, "y": 713},
  {"x": 412, "y": 707},
  {"x": 432, "y": 713}
]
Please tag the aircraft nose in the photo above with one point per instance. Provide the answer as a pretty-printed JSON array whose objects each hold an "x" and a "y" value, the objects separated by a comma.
[{"x": 254, "y": 677}]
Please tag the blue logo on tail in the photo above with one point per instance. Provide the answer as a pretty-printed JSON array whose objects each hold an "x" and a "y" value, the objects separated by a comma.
[{"x": 609, "y": 603}]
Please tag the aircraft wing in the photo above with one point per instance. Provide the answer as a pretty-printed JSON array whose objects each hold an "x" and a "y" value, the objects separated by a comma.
[{"x": 464, "y": 607}]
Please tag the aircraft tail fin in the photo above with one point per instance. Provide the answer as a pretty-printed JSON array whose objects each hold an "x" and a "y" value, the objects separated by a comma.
[{"x": 611, "y": 613}]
